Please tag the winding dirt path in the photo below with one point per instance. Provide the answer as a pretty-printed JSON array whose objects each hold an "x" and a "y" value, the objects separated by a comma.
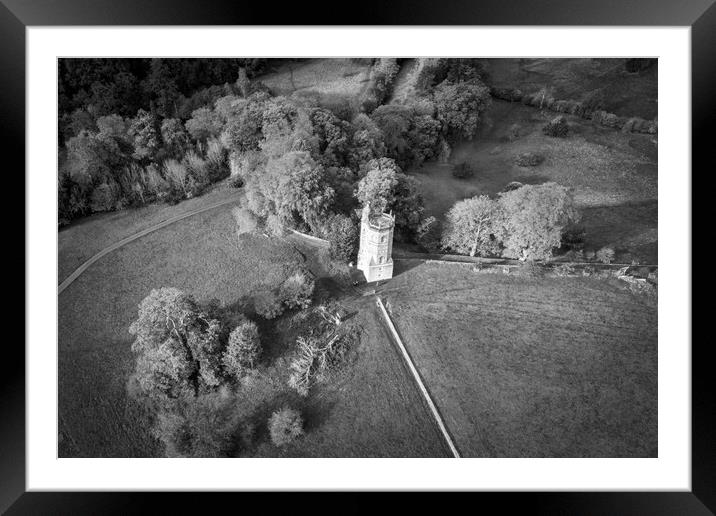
[{"x": 79, "y": 270}]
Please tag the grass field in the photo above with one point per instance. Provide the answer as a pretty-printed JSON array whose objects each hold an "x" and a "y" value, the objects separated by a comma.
[
  {"x": 371, "y": 410},
  {"x": 89, "y": 235},
  {"x": 613, "y": 175},
  {"x": 626, "y": 94},
  {"x": 327, "y": 76},
  {"x": 532, "y": 367}
]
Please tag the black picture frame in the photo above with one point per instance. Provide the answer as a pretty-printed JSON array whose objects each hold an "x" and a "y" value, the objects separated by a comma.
[{"x": 16, "y": 15}]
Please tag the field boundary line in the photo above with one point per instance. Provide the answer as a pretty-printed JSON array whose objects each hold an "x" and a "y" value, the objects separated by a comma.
[
  {"x": 85, "y": 265},
  {"x": 418, "y": 380}
]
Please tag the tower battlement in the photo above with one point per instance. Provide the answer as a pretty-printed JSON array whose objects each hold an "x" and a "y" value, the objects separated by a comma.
[{"x": 376, "y": 245}]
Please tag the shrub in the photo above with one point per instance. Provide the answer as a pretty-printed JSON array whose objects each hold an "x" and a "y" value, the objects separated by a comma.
[
  {"x": 181, "y": 181},
  {"x": 243, "y": 349},
  {"x": 198, "y": 170},
  {"x": 508, "y": 94},
  {"x": 639, "y": 64},
  {"x": 513, "y": 133},
  {"x": 246, "y": 221},
  {"x": 285, "y": 425},
  {"x": 528, "y": 159},
  {"x": 297, "y": 290},
  {"x": 462, "y": 171},
  {"x": 268, "y": 305},
  {"x": 573, "y": 237},
  {"x": 589, "y": 254},
  {"x": 512, "y": 185},
  {"x": 217, "y": 161},
  {"x": 605, "y": 255},
  {"x": 557, "y": 127},
  {"x": 564, "y": 270},
  {"x": 274, "y": 226}
]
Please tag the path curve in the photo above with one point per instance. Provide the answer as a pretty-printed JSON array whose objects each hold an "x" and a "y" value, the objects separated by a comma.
[{"x": 77, "y": 272}]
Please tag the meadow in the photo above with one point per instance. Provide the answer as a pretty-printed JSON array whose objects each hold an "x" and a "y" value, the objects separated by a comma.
[
  {"x": 625, "y": 94},
  {"x": 370, "y": 410},
  {"x": 87, "y": 236},
  {"x": 532, "y": 367},
  {"x": 344, "y": 77},
  {"x": 613, "y": 175}
]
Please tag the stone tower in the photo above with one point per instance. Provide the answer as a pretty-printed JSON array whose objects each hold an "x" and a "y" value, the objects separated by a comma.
[{"x": 376, "y": 245}]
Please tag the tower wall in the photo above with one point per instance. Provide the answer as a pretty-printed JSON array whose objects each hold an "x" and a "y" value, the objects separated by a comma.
[{"x": 376, "y": 246}]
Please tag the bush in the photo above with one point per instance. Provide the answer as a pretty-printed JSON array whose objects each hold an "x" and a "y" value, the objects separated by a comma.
[
  {"x": 528, "y": 159},
  {"x": 513, "y": 133},
  {"x": 285, "y": 425},
  {"x": 564, "y": 270},
  {"x": 246, "y": 221},
  {"x": 508, "y": 94},
  {"x": 605, "y": 255},
  {"x": 243, "y": 349},
  {"x": 573, "y": 237},
  {"x": 268, "y": 305},
  {"x": 636, "y": 65},
  {"x": 512, "y": 185},
  {"x": 463, "y": 171},
  {"x": 297, "y": 290},
  {"x": 557, "y": 127}
]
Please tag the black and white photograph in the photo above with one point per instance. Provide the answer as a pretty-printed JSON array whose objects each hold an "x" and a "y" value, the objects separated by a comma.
[{"x": 358, "y": 257}]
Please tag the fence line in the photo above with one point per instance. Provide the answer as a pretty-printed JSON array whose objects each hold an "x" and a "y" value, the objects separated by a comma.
[{"x": 416, "y": 376}]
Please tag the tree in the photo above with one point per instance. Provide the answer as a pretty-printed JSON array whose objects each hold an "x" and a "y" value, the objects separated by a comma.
[
  {"x": 92, "y": 157},
  {"x": 175, "y": 137},
  {"x": 203, "y": 124},
  {"x": 470, "y": 227},
  {"x": 332, "y": 135},
  {"x": 533, "y": 218},
  {"x": 145, "y": 132},
  {"x": 243, "y": 349},
  {"x": 366, "y": 142},
  {"x": 460, "y": 107},
  {"x": 342, "y": 233},
  {"x": 285, "y": 425},
  {"x": 210, "y": 425},
  {"x": 244, "y": 131},
  {"x": 386, "y": 188},
  {"x": 161, "y": 84},
  {"x": 294, "y": 188},
  {"x": 377, "y": 187},
  {"x": 394, "y": 121},
  {"x": 176, "y": 344},
  {"x": 297, "y": 290}
]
